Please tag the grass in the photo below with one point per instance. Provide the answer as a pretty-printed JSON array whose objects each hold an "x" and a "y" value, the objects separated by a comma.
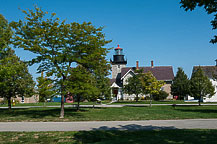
[
  {"x": 175, "y": 136},
  {"x": 53, "y": 104},
  {"x": 160, "y": 102},
  {"x": 109, "y": 114},
  {"x": 107, "y": 102}
]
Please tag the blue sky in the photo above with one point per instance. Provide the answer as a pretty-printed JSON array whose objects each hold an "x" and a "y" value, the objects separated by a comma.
[{"x": 147, "y": 30}]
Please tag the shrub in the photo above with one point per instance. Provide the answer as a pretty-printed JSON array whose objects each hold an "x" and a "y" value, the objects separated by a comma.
[
  {"x": 147, "y": 97},
  {"x": 161, "y": 96}
]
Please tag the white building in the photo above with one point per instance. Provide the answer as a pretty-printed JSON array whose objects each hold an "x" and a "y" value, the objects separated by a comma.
[
  {"x": 120, "y": 74},
  {"x": 210, "y": 72}
]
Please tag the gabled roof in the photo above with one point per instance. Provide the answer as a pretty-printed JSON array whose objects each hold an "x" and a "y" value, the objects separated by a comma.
[
  {"x": 130, "y": 70},
  {"x": 160, "y": 72},
  {"x": 112, "y": 81},
  {"x": 209, "y": 71},
  {"x": 115, "y": 82}
]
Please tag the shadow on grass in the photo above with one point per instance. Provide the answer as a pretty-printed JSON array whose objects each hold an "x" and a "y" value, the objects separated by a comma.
[
  {"x": 121, "y": 134},
  {"x": 156, "y": 135},
  {"x": 40, "y": 113}
]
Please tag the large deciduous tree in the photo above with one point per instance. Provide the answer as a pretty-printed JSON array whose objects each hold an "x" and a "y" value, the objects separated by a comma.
[
  {"x": 209, "y": 5},
  {"x": 200, "y": 85},
  {"x": 59, "y": 45},
  {"x": 180, "y": 85}
]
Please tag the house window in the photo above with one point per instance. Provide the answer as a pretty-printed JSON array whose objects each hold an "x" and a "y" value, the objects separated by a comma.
[{"x": 118, "y": 66}]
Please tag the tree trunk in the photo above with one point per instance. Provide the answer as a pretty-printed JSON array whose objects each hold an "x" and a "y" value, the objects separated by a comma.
[
  {"x": 44, "y": 102},
  {"x": 62, "y": 98},
  {"x": 78, "y": 106},
  {"x": 62, "y": 106},
  {"x": 93, "y": 104},
  {"x": 150, "y": 100},
  {"x": 199, "y": 101},
  {"x": 9, "y": 103},
  {"x": 137, "y": 98}
]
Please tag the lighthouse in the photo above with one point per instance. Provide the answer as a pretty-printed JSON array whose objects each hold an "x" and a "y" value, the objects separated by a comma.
[{"x": 118, "y": 62}]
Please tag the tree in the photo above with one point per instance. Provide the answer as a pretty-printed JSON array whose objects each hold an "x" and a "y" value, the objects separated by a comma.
[
  {"x": 180, "y": 85},
  {"x": 209, "y": 5},
  {"x": 102, "y": 82},
  {"x": 58, "y": 45},
  {"x": 5, "y": 36},
  {"x": 82, "y": 85},
  {"x": 15, "y": 80},
  {"x": 134, "y": 86},
  {"x": 45, "y": 88},
  {"x": 151, "y": 85},
  {"x": 200, "y": 85}
]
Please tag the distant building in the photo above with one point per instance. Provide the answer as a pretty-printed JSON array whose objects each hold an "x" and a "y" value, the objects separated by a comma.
[
  {"x": 211, "y": 73},
  {"x": 32, "y": 99},
  {"x": 120, "y": 74}
]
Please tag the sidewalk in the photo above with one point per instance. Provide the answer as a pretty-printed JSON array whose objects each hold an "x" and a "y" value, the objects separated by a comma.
[{"x": 110, "y": 125}]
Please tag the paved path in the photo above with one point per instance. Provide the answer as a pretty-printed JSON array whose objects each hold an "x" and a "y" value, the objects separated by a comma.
[
  {"x": 110, "y": 125},
  {"x": 116, "y": 105}
]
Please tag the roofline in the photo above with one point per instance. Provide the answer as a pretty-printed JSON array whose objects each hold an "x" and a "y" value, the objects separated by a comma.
[
  {"x": 127, "y": 73},
  {"x": 166, "y": 80},
  {"x": 115, "y": 84}
]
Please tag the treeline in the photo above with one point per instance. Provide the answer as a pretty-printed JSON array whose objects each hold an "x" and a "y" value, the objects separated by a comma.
[{"x": 198, "y": 86}]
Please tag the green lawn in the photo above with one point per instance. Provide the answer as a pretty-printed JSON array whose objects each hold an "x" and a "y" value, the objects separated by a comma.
[
  {"x": 53, "y": 104},
  {"x": 194, "y": 136},
  {"x": 110, "y": 114},
  {"x": 106, "y": 102},
  {"x": 160, "y": 102}
]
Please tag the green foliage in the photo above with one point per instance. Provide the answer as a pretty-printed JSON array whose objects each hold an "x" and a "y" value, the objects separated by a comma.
[
  {"x": 5, "y": 36},
  {"x": 150, "y": 84},
  {"x": 134, "y": 86},
  {"x": 102, "y": 81},
  {"x": 180, "y": 85},
  {"x": 82, "y": 84},
  {"x": 200, "y": 85},
  {"x": 59, "y": 45},
  {"x": 143, "y": 83},
  {"x": 209, "y": 5},
  {"x": 15, "y": 79},
  {"x": 162, "y": 95},
  {"x": 45, "y": 88}
]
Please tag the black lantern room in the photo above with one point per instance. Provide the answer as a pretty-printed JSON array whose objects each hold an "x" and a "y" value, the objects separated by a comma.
[{"x": 118, "y": 58}]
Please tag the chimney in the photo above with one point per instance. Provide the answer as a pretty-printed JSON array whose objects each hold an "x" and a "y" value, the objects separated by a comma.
[
  {"x": 152, "y": 64},
  {"x": 137, "y": 65},
  {"x": 216, "y": 62}
]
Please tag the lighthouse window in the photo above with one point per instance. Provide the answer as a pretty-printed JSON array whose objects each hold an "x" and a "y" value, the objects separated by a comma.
[{"x": 118, "y": 66}]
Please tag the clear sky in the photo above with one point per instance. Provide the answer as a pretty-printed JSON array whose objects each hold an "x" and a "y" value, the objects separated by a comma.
[{"x": 146, "y": 29}]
